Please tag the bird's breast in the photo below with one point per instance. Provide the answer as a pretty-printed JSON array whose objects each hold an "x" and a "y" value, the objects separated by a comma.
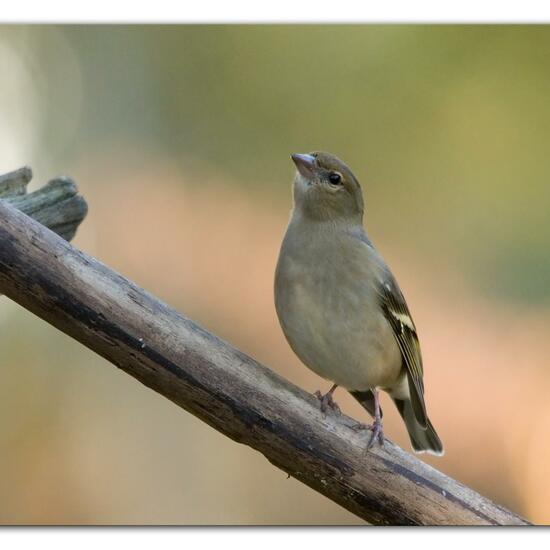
[{"x": 330, "y": 316}]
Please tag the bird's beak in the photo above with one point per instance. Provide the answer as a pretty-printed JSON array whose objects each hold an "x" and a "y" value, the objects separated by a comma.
[{"x": 305, "y": 164}]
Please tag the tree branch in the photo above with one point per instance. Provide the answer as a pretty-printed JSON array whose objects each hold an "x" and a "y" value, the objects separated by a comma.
[
  {"x": 225, "y": 388},
  {"x": 57, "y": 205}
]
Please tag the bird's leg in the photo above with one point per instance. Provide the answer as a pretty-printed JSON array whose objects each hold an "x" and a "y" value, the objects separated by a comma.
[
  {"x": 376, "y": 427},
  {"x": 327, "y": 402}
]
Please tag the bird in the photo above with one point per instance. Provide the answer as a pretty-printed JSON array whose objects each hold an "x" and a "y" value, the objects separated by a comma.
[{"x": 340, "y": 307}]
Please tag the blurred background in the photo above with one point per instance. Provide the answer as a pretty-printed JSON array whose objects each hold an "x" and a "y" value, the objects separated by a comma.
[{"x": 179, "y": 138}]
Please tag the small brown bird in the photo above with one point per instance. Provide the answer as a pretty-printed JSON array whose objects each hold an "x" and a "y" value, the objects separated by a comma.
[{"x": 339, "y": 305}]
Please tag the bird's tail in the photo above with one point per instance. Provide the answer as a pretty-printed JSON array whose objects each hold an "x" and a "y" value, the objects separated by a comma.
[{"x": 423, "y": 440}]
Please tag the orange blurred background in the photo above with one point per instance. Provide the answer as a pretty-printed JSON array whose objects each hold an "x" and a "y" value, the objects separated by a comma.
[{"x": 179, "y": 138}]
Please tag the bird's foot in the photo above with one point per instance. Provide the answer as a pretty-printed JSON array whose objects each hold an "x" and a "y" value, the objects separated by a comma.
[
  {"x": 327, "y": 402},
  {"x": 377, "y": 434},
  {"x": 375, "y": 428}
]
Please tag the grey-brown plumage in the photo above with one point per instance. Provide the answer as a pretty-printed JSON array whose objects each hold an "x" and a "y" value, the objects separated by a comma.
[{"x": 340, "y": 307}]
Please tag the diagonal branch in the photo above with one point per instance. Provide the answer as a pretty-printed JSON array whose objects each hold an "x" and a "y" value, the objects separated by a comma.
[{"x": 222, "y": 386}]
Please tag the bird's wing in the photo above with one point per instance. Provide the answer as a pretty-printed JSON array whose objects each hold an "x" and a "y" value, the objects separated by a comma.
[{"x": 397, "y": 313}]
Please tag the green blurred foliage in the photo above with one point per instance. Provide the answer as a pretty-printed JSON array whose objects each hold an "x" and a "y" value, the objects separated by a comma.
[{"x": 446, "y": 126}]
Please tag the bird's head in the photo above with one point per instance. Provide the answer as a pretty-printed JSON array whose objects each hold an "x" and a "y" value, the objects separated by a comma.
[{"x": 325, "y": 188}]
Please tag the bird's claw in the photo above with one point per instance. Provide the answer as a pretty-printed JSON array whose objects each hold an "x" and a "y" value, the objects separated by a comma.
[
  {"x": 359, "y": 427},
  {"x": 375, "y": 428},
  {"x": 327, "y": 402},
  {"x": 377, "y": 434}
]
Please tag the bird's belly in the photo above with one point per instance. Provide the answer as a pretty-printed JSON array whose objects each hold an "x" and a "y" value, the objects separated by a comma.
[{"x": 338, "y": 337}]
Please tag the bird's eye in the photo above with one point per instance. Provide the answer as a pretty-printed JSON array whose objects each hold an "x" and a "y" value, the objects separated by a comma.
[{"x": 335, "y": 178}]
